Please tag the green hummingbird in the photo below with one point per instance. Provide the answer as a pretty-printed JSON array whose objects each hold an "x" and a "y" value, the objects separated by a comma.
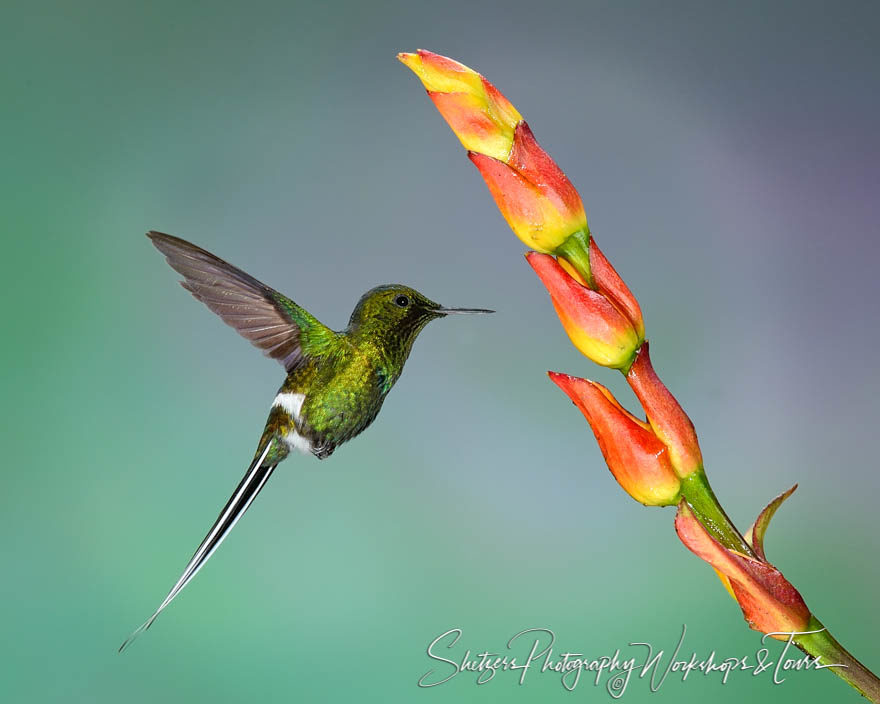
[{"x": 336, "y": 381}]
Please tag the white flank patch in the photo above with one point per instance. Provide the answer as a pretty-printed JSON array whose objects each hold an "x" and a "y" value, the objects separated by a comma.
[
  {"x": 290, "y": 402},
  {"x": 295, "y": 441}
]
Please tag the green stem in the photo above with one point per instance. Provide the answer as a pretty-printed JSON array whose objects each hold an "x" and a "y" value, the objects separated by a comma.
[
  {"x": 695, "y": 488},
  {"x": 820, "y": 643}
]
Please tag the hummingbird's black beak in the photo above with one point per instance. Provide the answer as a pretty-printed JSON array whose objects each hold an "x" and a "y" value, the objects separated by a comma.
[{"x": 464, "y": 311}]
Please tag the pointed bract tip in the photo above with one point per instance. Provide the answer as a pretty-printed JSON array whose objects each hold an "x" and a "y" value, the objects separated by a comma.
[
  {"x": 755, "y": 534},
  {"x": 567, "y": 382}
]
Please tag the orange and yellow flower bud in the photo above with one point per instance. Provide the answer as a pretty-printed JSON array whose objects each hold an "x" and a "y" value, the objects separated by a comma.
[
  {"x": 769, "y": 602},
  {"x": 481, "y": 117},
  {"x": 636, "y": 457},
  {"x": 608, "y": 282},
  {"x": 593, "y": 323},
  {"x": 534, "y": 196},
  {"x": 531, "y": 191},
  {"x": 666, "y": 416}
]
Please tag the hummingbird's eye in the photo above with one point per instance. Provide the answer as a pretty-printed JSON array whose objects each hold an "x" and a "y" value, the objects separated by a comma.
[{"x": 402, "y": 301}]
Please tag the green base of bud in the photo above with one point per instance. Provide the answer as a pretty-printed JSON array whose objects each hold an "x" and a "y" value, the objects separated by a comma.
[{"x": 576, "y": 250}]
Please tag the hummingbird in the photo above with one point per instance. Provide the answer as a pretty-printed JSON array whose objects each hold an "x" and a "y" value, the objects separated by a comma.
[{"x": 336, "y": 381}]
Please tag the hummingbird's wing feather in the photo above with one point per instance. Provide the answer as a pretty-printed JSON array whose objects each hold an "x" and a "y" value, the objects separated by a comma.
[
  {"x": 254, "y": 480},
  {"x": 271, "y": 321}
]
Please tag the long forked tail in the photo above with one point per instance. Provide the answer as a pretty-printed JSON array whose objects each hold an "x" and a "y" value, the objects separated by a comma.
[{"x": 238, "y": 503}]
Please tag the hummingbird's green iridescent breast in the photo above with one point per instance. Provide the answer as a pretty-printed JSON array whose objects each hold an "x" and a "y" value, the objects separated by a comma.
[{"x": 341, "y": 400}]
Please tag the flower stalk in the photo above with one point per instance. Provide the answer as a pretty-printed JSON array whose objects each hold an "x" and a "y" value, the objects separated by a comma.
[
  {"x": 657, "y": 461},
  {"x": 818, "y": 642}
]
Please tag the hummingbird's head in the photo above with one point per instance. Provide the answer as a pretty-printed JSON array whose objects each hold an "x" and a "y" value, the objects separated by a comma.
[{"x": 398, "y": 312}]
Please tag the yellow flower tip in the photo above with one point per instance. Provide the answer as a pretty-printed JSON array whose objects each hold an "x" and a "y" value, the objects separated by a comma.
[
  {"x": 481, "y": 117},
  {"x": 440, "y": 74},
  {"x": 413, "y": 62}
]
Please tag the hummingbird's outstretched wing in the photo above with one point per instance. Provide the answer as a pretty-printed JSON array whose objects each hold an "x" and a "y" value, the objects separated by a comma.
[
  {"x": 254, "y": 480},
  {"x": 271, "y": 321}
]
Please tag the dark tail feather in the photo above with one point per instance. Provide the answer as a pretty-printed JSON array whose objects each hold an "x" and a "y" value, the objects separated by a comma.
[{"x": 254, "y": 480}]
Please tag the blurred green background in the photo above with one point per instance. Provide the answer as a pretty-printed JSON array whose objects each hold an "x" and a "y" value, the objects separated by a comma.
[{"x": 727, "y": 154}]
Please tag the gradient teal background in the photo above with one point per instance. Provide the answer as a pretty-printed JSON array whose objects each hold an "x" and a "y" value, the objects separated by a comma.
[{"x": 727, "y": 154}]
